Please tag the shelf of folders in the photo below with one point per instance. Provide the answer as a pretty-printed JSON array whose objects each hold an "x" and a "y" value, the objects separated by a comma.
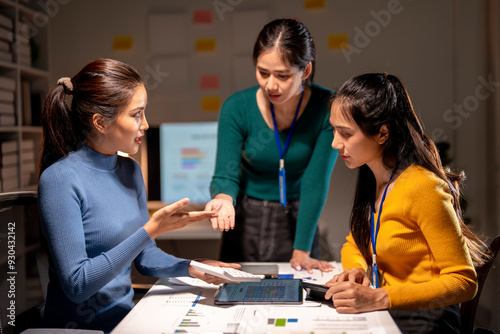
[{"x": 17, "y": 165}]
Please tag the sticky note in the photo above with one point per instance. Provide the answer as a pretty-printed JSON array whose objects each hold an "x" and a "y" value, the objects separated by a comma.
[
  {"x": 205, "y": 44},
  {"x": 202, "y": 16},
  {"x": 209, "y": 82},
  {"x": 123, "y": 42},
  {"x": 314, "y": 4},
  {"x": 210, "y": 103},
  {"x": 338, "y": 41}
]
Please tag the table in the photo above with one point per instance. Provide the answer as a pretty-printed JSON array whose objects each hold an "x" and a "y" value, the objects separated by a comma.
[{"x": 186, "y": 305}]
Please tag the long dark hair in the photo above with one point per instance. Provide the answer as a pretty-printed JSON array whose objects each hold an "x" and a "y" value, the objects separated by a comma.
[
  {"x": 376, "y": 99},
  {"x": 104, "y": 86},
  {"x": 293, "y": 40}
]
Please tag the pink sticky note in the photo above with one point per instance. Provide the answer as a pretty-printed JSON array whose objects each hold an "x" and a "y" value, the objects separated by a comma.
[
  {"x": 209, "y": 81},
  {"x": 202, "y": 16}
]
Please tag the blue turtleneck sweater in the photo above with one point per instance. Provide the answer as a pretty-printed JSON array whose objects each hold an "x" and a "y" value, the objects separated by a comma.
[{"x": 93, "y": 208}]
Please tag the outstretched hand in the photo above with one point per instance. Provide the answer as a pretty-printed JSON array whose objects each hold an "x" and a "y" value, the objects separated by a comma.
[
  {"x": 169, "y": 218},
  {"x": 225, "y": 216}
]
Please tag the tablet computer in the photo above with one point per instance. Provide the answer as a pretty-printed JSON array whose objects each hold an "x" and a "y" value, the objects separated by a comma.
[{"x": 267, "y": 291}]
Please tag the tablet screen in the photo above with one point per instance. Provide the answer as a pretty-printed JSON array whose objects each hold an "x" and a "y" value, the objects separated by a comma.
[{"x": 267, "y": 291}]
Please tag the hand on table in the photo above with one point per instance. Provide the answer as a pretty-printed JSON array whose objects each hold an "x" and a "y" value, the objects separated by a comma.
[
  {"x": 211, "y": 278},
  {"x": 225, "y": 217},
  {"x": 301, "y": 259},
  {"x": 351, "y": 293}
]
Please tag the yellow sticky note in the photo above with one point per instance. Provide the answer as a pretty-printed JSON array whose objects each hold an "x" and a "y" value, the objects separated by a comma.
[
  {"x": 210, "y": 103},
  {"x": 314, "y": 4},
  {"x": 123, "y": 42},
  {"x": 338, "y": 41},
  {"x": 205, "y": 44}
]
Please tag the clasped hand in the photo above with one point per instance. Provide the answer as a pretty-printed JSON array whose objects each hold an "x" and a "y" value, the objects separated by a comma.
[{"x": 350, "y": 292}]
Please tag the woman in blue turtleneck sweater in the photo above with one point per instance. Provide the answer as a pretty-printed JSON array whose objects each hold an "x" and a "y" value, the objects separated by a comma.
[{"x": 93, "y": 203}]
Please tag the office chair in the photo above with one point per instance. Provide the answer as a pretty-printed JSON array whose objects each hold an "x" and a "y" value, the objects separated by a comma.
[
  {"x": 19, "y": 218},
  {"x": 19, "y": 242},
  {"x": 468, "y": 309}
]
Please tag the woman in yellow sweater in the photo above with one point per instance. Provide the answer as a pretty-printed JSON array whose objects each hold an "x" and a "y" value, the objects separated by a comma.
[{"x": 408, "y": 248}]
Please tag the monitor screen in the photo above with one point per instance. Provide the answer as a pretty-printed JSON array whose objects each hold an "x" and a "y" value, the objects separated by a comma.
[{"x": 187, "y": 161}]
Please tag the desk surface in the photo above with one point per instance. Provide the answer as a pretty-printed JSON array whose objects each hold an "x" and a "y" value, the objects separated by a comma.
[{"x": 172, "y": 306}]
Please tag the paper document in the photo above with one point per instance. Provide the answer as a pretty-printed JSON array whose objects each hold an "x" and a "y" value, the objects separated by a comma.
[
  {"x": 322, "y": 320},
  {"x": 191, "y": 310}
]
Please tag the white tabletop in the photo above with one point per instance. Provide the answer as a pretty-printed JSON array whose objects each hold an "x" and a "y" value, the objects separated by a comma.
[{"x": 186, "y": 305}]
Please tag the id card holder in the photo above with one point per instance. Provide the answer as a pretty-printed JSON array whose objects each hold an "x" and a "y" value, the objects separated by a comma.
[{"x": 282, "y": 183}]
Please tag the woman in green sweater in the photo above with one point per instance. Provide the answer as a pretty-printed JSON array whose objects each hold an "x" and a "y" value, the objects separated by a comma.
[{"x": 281, "y": 124}]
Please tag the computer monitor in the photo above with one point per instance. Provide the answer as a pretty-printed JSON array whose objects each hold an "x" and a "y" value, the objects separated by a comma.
[{"x": 187, "y": 161}]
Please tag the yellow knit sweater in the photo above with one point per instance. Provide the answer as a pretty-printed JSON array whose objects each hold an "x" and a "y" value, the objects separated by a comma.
[{"x": 421, "y": 251}]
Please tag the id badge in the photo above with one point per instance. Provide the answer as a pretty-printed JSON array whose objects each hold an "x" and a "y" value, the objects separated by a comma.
[{"x": 282, "y": 187}]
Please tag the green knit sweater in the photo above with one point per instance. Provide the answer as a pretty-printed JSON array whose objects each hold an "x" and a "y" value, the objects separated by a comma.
[{"x": 248, "y": 158}]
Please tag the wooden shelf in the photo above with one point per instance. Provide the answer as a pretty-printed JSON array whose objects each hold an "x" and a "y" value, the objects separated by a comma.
[{"x": 31, "y": 84}]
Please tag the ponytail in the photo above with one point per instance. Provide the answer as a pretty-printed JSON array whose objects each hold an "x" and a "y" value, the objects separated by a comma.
[{"x": 59, "y": 136}]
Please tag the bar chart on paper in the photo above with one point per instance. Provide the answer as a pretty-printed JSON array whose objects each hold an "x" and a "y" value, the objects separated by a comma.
[{"x": 193, "y": 311}]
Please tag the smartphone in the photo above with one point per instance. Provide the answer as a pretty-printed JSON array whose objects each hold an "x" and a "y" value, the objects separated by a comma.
[{"x": 316, "y": 291}]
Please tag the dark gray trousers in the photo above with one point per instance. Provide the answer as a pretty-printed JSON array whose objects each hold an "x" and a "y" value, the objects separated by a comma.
[{"x": 264, "y": 232}]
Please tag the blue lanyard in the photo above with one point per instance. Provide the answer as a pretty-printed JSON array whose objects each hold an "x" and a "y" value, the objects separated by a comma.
[
  {"x": 282, "y": 179},
  {"x": 374, "y": 233}
]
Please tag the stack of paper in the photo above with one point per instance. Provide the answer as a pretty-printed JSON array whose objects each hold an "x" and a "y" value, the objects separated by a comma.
[
  {"x": 9, "y": 169},
  {"x": 7, "y": 110}
]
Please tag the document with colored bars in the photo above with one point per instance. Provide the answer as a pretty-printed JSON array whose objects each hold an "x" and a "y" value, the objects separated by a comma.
[{"x": 169, "y": 308}]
